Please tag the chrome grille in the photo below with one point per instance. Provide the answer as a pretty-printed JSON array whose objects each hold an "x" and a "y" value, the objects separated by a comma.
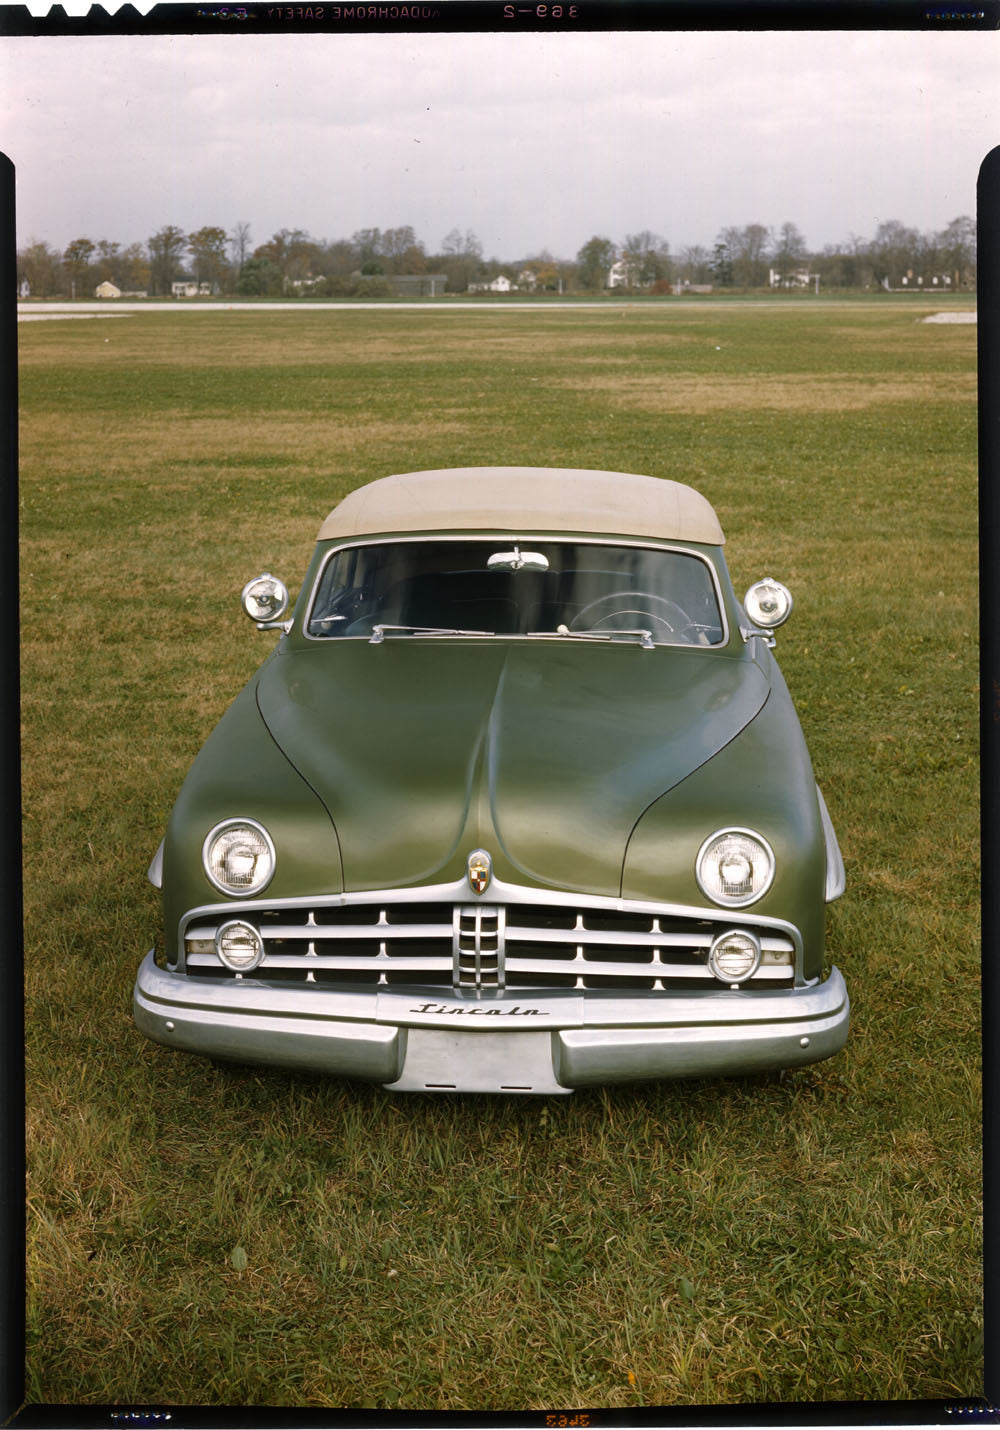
[
  {"x": 551, "y": 941},
  {"x": 479, "y": 946}
]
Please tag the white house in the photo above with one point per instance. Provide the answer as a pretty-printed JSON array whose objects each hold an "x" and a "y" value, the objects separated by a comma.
[
  {"x": 801, "y": 278},
  {"x": 186, "y": 289},
  {"x": 107, "y": 290},
  {"x": 500, "y": 284}
]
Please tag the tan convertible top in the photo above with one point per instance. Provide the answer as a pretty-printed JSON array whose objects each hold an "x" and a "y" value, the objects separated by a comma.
[{"x": 526, "y": 499}]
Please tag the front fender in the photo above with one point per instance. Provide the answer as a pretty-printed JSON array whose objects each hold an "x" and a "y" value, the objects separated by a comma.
[
  {"x": 762, "y": 780},
  {"x": 241, "y": 771}
]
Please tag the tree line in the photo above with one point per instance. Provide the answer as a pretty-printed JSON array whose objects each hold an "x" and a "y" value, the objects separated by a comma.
[{"x": 291, "y": 262}]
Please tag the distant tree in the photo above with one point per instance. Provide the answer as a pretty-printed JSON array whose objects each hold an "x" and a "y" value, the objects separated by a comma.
[
  {"x": 293, "y": 253},
  {"x": 893, "y": 253},
  {"x": 458, "y": 245},
  {"x": 107, "y": 265},
  {"x": 336, "y": 259},
  {"x": 646, "y": 257},
  {"x": 76, "y": 261},
  {"x": 239, "y": 246},
  {"x": 595, "y": 260},
  {"x": 957, "y": 243},
  {"x": 41, "y": 267},
  {"x": 754, "y": 254},
  {"x": 260, "y": 278},
  {"x": 694, "y": 264},
  {"x": 166, "y": 248},
  {"x": 207, "y": 247},
  {"x": 399, "y": 248},
  {"x": 747, "y": 252},
  {"x": 460, "y": 258},
  {"x": 539, "y": 273},
  {"x": 133, "y": 269},
  {"x": 722, "y": 264},
  {"x": 366, "y": 243},
  {"x": 788, "y": 250}
]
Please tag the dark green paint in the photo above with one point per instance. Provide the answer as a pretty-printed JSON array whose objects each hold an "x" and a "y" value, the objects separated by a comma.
[
  {"x": 240, "y": 771},
  {"x": 595, "y": 767},
  {"x": 544, "y": 752}
]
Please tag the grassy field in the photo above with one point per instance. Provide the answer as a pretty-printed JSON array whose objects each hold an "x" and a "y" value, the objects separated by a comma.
[{"x": 210, "y": 1237}]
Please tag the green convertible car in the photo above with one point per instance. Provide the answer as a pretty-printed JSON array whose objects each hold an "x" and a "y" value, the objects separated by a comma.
[{"x": 519, "y": 803}]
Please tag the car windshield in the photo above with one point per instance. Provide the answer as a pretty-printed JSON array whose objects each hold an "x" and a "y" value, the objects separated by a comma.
[{"x": 528, "y": 587}]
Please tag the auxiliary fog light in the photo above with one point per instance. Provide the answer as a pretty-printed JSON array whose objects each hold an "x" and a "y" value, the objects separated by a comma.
[
  {"x": 239, "y": 945},
  {"x": 734, "y": 956},
  {"x": 768, "y": 603}
]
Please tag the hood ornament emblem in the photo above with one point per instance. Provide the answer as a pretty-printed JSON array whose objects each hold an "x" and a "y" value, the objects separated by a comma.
[{"x": 480, "y": 870}]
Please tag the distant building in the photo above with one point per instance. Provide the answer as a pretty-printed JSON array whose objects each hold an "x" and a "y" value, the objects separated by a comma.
[
  {"x": 801, "y": 278},
  {"x": 936, "y": 280},
  {"x": 418, "y": 285},
  {"x": 500, "y": 284},
  {"x": 685, "y": 286},
  {"x": 186, "y": 289},
  {"x": 107, "y": 290}
]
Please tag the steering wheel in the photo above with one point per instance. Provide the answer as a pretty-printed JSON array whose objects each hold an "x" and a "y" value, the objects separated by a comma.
[{"x": 678, "y": 619}]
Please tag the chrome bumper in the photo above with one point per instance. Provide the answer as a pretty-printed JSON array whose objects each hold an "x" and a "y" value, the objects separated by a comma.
[{"x": 536, "y": 1043}]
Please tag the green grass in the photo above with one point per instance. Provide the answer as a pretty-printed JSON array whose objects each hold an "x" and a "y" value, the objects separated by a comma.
[{"x": 209, "y": 1236}]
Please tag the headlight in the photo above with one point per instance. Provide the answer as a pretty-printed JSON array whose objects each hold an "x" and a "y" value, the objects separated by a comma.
[
  {"x": 239, "y": 857},
  {"x": 239, "y": 945},
  {"x": 734, "y": 956},
  {"x": 734, "y": 867}
]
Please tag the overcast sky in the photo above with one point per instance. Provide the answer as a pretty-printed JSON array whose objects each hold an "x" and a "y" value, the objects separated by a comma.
[{"x": 531, "y": 141}]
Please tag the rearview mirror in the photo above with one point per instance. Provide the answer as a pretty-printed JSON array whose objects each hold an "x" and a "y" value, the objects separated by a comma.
[{"x": 517, "y": 560}]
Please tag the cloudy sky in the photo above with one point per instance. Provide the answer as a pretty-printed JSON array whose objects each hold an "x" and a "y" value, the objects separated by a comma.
[{"x": 531, "y": 141}]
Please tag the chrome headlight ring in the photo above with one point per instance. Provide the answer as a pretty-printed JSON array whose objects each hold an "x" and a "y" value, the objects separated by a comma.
[
  {"x": 239, "y": 946},
  {"x": 734, "y": 956},
  {"x": 735, "y": 867},
  {"x": 238, "y": 857}
]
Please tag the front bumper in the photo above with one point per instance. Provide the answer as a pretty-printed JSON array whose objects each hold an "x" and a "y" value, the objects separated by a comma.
[{"x": 535, "y": 1043}]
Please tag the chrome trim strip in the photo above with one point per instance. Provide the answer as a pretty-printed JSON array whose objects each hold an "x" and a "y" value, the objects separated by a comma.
[
  {"x": 836, "y": 874},
  {"x": 155, "y": 871},
  {"x": 437, "y": 963},
  {"x": 499, "y": 892},
  {"x": 375, "y": 933},
  {"x": 487, "y": 536}
]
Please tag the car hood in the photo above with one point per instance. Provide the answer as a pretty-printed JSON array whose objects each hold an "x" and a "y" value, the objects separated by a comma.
[{"x": 543, "y": 752}]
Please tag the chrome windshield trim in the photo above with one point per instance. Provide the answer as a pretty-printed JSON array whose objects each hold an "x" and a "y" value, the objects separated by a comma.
[{"x": 488, "y": 536}]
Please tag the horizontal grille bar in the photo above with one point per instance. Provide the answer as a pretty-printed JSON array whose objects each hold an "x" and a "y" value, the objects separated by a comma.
[{"x": 485, "y": 946}]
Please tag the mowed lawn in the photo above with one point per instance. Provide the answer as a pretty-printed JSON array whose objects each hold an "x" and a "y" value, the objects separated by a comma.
[{"x": 246, "y": 1237}]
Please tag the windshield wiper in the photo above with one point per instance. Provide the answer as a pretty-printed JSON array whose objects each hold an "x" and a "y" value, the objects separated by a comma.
[
  {"x": 379, "y": 632},
  {"x": 646, "y": 640}
]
